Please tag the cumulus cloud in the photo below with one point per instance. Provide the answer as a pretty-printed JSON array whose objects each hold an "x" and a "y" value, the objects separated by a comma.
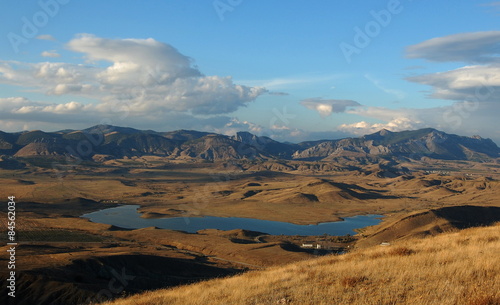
[
  {"x": 10, "y": 103},
  {"x": 397, "y": 124},
  {"x": 134, "y": 55},
  {"x": 464, "y": 118},
  {"x": 20, "y": 105},
  {"x": 477, "y": 47},
  {"x": 282, "y": 133},
  {"x": 392, "y": 119},
  {"x": 45, "y": 77},
  {"x": 327, "y": 107},
  {"x": 235, "y": 125},
  {"x": 151, "y": 77},
  {"x": 18, "y": 113}
]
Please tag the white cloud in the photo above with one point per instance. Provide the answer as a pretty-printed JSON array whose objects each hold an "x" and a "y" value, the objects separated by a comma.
[
  {"x": 16, "y": 112},
  {"x": 20, "y": 105},
  {"x": 327, "y": 107},
  {"x": 151, "y": 77},
  {"x": 279, "y": 132},
  {"x": 46, "y": 76},
  {"x": 477, "y": 47},
  {"x": 46, "y": 37},
  {"x": 235, "y": 125},
  {"x": 464, "y": 118},
  {"x": 10, "y": 103},
  {"x": 397, "y": 124},
  {"x": 290, "y": 82},
  {"x": 481, "y": 83},
  {"x": 51, "y": 53},
  {"x": 474, "y": 89}
]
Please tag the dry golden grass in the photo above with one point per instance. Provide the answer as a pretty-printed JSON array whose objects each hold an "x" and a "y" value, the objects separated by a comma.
[{"x": 461, "y": 268}]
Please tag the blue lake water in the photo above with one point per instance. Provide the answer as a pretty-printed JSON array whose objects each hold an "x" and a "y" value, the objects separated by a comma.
[{"x": 126, "y": 216}]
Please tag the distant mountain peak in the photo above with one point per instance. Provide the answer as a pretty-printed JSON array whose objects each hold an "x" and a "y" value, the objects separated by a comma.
[
  {"x": 119, "y": 142},
  {"x": 384, "y": 132},
  {"x": 427, "y": 142}
]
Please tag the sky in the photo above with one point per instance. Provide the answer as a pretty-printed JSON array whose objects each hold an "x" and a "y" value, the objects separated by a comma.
[{"x": 292, "y": 70}]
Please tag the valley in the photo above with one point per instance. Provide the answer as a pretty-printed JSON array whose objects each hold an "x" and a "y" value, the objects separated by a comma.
[{"x": 62, "y": 257}]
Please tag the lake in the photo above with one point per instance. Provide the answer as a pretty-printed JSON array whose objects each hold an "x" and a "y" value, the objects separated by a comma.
[{"x": 126, "y": 216}]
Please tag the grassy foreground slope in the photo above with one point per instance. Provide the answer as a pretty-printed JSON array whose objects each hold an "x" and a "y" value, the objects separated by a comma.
[{"x": 452, "y": 268}]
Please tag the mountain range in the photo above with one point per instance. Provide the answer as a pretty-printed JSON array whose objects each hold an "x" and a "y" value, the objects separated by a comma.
[{"x": 105, "y": 142}]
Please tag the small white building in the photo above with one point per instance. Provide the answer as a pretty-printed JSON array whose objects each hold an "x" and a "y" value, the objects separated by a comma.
[{"x": 317, "y": 246}]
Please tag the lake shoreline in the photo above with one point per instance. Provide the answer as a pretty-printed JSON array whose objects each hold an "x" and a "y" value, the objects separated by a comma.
[{"x": 129, "y": 217}]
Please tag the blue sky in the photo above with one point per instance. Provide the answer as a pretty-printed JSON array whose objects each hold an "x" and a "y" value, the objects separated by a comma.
[{"x": 294, "y": 70}]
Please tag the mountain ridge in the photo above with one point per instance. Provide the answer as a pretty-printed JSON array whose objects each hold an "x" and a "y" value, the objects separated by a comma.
[{"x": 118, "y": 142}]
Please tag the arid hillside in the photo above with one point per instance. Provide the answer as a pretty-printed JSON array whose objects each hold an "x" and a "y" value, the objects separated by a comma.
[
  {"x": 429, "y": 223},
  {"x": 451, "y": 268}
]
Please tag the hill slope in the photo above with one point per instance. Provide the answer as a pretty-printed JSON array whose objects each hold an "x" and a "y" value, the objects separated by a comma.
[
  {"x": 454, "y": 268},
  {"x": 433, "y": 222}
]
